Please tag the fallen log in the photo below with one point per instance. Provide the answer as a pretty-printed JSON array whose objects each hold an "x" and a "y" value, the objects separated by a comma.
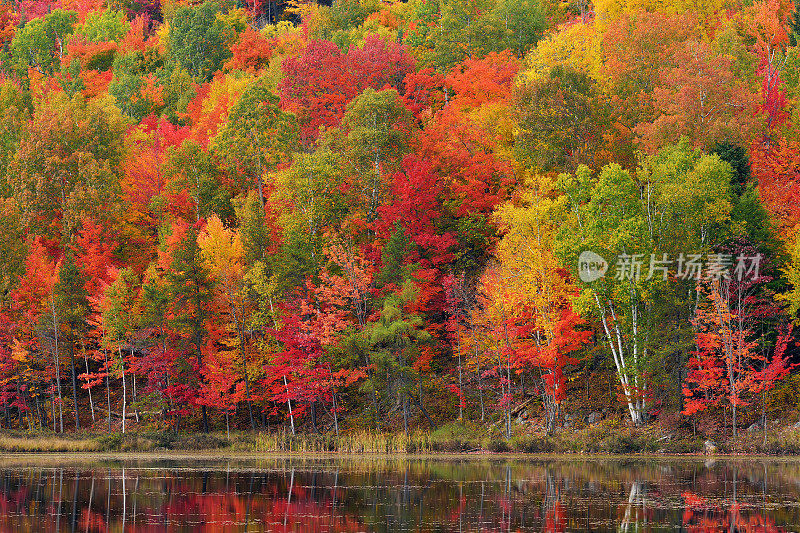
[{"x": 129, "y": 414}]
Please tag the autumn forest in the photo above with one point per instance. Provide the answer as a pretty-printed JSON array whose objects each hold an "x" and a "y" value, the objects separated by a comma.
[{"x": 517, "y": 216}]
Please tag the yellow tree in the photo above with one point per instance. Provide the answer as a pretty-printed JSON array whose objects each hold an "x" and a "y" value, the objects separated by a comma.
[
  {"x": 577, "y": 46},
  {"x": 222, "y": 251},
  {"x": 541, "y": 288},
  {"x": 496, "y": 319},
  {"x": 706, "y": 10}
]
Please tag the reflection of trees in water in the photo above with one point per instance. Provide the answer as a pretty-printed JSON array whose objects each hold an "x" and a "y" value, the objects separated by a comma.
[
  {"x": 492, "y": 495},
  {"x": 555, "y": 519},
  {"x": 729, "y": 514},
  {"x": 634, "y": 508}
]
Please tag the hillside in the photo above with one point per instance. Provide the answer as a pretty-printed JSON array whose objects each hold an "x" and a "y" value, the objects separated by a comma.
[{"x": 523, "y": 215}]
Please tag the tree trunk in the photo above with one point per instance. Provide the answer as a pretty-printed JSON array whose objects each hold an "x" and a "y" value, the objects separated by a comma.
[
  {"x": 74, "y": 383},
  {"x": 289, "y": 403},
  {"x": 405, "y": 413},
  {"x": 460, "y": 386},
  {"x": 614, "y": 340},
  {"x": 58, "y": 372},
  {"x": 422, "y": 409},
  {"x": 124, "y": 390},
  {"x": 335, "y": 416},
  {"x": 205, "y": 419},
  {"x": 247, "y": 387},
  {"x": 314, "y": 417},
  {"x": 40, "y": 413},
  {"x": 242, "y": 348},
  {"x": 108, "y": 389},
  {"x": 135, "y": 407},
  {"x": 91, "y": 401},
  {"x": 198, "y": 343}
]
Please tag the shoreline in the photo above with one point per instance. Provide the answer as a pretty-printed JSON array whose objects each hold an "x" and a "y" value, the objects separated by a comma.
[
  {"x": 453, "y": 441},
  {"x": 222, "y": 455}
]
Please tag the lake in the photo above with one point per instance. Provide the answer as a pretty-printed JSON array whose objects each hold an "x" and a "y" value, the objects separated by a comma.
[{"x": 185, "y": 493}]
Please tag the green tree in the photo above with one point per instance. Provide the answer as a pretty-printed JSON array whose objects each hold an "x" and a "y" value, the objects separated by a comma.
[
  {"x": 635, "y": 223},
  {"x": 72, "y": 303},
  {"x": 558, "y": 118},
  {"x": 378, "y": 130},
  {"x": 41, "y": 43},
  {"x": 191, "y": 290},
  {"x": 192, "y": 169},
  {"x": 393, "y": 341},
  {"x": 131, "y": 68},
  {"x": 258, "y": 135},
  {"x": 393, "y": 258},
  {"x": 106, "y": 25},
  {"x": 520, "y": 24},
  {"x": 66, "y": 166},
  {"x": 121, "y": 319},
  {"x": 312, "y": 186},
  {"x": 13, "y": 249},
  {"x": 15, "y": 112},
  {"x": 253, "y": 228},
  {"x": 200, "y": 38}
]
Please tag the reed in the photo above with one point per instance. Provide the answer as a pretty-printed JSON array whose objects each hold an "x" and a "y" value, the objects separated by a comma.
[
  {"x": 48, "y": 443},
  {"x": 359, "y": 442}
]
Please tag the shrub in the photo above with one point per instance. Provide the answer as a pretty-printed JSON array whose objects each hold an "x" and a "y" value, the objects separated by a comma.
[
  {"x": 533, "y": 444},
  {"x": 498, "y": 446},
  {"x": 201, "y": 441},
  {"x": 687, "y": 445},
  {"x": 454, "y": 437},
  {"x": 110, "y": 442}
]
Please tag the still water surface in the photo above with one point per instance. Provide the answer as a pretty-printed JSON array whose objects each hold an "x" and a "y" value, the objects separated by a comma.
[{"x": 372, "y": 494}]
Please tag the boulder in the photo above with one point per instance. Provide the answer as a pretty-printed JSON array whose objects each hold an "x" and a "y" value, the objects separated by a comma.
[
  {"x": 796, "y": 425},
  {"x": 593, "y": 417},
  {"x": 710, "y": 447},
  {"x": 754, "y": 427}
]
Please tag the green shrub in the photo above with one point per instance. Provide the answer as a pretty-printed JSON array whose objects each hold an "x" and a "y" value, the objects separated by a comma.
[
  {"x": 688, "y": 445},
  {"x": 454, "y": 437},
  {"x": 498, "y": 446},
  {"x": 200, "y": 441},
  {"x": 784, "y": 443},
  {"x": 533, "y": 444},
  {"x": 110, "y": 442}
]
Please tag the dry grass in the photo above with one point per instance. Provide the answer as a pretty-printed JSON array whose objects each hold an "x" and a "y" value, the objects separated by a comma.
[
  {"x": 47, "y": 443},
  {"x": 605, "y": 437},
  {"x": 362, "y": 442}
]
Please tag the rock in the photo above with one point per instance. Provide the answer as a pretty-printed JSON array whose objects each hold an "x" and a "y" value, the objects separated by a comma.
[
  {"x": 710, "y": 447},
  {"x": 796, "y": 426},
  {"x": 755, "y": 426},
  {"x": 593, "y": 417}
]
